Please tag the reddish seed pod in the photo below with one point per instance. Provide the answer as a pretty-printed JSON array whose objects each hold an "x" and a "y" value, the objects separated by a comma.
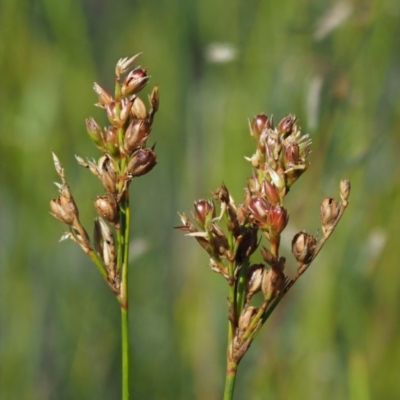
[
  {"x": 203, "y": 209},
  {"x": 259, "y": 208},
  {"x": 135, "y": 81},
  {"x": 292, "y": 154},
  {"x": 277, "y": 218},
  {"x": 270, "y": 192},
  {"x": 286, "y": 124},
  {"x": 259, "y": 124}
]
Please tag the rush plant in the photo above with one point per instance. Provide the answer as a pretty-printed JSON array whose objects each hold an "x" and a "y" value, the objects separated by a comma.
[
  {"x": 231, "y": 233},
  {"x": 124, "y": 157}
]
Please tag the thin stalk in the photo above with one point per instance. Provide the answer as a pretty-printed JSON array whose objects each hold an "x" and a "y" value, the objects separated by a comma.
[
  {"x": 123, "y": 261},
  {"x": 125, "y": 215},
  {"x": 230, "y": 379},
  {"x": 125, "y": 353}
]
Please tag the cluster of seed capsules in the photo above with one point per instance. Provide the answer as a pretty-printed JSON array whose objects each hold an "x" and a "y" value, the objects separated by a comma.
[
  {"x": 279, "y": 160},
  {"x": 125, "y": 156},
  {"x": 230, "y": 236}
]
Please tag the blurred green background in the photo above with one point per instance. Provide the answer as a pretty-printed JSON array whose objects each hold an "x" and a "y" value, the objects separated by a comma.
[{"x": 335, "y": 64}]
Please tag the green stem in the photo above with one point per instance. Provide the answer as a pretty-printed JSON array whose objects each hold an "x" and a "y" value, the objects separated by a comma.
[
  {"x": 125, "y": 353},
  {"x": 125, "y": 216},
  {"x": 99, "y": 264},
  {"x": 231, "y": 366},
  {"x": 124, "y": 296},
  {"x": 230, "y": 379}
]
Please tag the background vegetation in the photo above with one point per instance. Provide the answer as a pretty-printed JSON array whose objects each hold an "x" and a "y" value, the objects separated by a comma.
[{"x": 334, "y": 64}]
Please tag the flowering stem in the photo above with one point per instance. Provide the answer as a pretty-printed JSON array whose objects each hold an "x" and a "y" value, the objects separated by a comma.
[{"x": 124, "y": 157}]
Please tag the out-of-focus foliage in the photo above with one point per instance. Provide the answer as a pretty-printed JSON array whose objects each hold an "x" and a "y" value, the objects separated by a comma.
[{"x": 334, "y": 64}]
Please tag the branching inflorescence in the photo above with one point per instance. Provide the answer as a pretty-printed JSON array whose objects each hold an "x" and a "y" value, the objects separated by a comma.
[
  {"x": 125, "y": 157},
  {"x": 231, "y": 235}
]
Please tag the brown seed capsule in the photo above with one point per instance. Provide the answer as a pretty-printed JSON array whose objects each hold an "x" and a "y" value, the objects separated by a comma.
[
  {"x": 107, "y": 207},
  {"x": 64, "y": 207},
  {"x": 134, "y": 81},
  {"x": 107, "y": 174},
  {"x": 246, "y": 317},
  {"x": 253, "y": 280},
  {"x": 138, "y": 109},
  {"x": 259, "y": 208},
  {"x": 328, "y": 212},
  {"x": 63, "y": 210},
  {"x": 272, "y": 283},
  {"x": 136, "y": 135},
  {"x": 141, "y": 162},
  {"x": 303, "y": 247}
]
